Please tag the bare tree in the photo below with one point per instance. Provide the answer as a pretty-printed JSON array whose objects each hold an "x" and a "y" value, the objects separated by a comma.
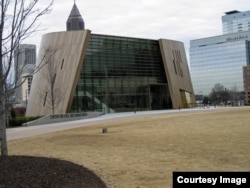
[
  {"x": 234, "y": 91},
  {"x": 53, "y": 92},
  {"x": 219, "y": 94},
  {"x": 18, "y": 20}
]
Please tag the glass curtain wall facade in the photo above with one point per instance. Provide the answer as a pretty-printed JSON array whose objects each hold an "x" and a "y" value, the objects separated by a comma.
[
  {"x": 236, "y": 21},
  {"x": 220, "y": 60},
  {"x": 122, "y": 74}
]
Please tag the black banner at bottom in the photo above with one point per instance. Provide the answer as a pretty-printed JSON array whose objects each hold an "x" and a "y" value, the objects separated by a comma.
[{"x": 211, "y": 179}]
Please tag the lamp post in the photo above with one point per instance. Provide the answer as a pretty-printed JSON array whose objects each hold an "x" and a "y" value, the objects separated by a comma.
[{"x": 26, "y": 100}]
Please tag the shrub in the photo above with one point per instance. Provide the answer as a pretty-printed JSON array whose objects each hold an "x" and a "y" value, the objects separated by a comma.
[
  {"x": 17, "y": 112},
  {"x": 20, "y": 120}
]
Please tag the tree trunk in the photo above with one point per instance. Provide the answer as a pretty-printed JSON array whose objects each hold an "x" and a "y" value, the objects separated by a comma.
[
  {"x": 20, "y": 19},
  {"x": 3, "y": 139}
]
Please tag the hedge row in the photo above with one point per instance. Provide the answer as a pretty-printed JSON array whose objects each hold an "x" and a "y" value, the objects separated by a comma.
[{"x": 20, "y": 120}]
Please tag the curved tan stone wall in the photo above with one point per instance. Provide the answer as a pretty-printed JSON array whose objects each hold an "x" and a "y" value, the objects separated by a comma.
[{"x": 69, "y": 51}]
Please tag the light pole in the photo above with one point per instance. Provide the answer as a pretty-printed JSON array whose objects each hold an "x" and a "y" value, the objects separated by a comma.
[{"x": 26, "y": 98}]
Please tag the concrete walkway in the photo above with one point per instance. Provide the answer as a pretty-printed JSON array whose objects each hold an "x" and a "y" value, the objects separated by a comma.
[{"x": 23, "y": 132}]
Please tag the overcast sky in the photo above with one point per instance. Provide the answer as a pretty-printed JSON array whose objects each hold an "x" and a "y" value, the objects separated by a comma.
[{"x": 181, "y": 20}]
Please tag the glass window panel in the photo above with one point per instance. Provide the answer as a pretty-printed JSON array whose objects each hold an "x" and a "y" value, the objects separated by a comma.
[{"x": 118, "y": 74}]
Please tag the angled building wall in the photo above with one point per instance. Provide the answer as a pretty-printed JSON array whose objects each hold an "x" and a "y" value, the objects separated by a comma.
[
  {"x": 65, "y": 50},
  {"x": 177, "y": 72}
]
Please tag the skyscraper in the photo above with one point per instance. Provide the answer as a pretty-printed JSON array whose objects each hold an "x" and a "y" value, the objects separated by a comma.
[
  {"x": 75, "y": 20},
  {"x": 220, "y": 59},
  {"x": 236, "y": 21},
  {"x": 24, "y": 61}
]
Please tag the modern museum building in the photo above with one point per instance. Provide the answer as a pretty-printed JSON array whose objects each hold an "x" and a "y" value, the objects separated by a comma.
[{"x": 79, "y": 71}]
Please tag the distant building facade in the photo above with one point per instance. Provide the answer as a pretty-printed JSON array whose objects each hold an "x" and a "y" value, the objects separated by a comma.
[
  {"x": 24, "y": 62},
  {"x": 236, "y": 21},
  {"x": 246, "y": 77},
  {"x": 220, "y": 59},
  {"x": 111, "y": 74}
]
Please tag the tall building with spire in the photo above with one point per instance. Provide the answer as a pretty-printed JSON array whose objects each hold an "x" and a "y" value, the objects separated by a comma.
[{"x": 75, "y": 20}]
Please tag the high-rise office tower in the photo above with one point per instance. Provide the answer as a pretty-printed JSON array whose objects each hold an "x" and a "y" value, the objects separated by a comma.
[
  {"x": 24, "y": 61},
  {"x": 220, "y": 59},
  {"x": 236, "y": 21}
]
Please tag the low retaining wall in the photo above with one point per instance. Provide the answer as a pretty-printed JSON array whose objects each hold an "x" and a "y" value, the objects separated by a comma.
[{"x": 57, "y": 118}]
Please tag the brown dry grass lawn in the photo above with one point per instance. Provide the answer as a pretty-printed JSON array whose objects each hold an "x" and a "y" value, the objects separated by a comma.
[{"x": 144, "y": 151}]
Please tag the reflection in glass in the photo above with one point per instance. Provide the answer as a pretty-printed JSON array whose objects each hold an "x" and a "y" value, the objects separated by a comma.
[{"x": 122, "y": 74}]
